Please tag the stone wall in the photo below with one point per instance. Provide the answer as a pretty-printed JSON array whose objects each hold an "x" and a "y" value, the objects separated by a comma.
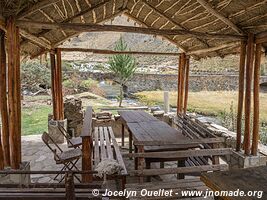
[{"x": 141, "y": 82}]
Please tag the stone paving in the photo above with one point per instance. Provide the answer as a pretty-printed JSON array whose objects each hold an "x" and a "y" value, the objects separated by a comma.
[{"x": 40, "y": 157}]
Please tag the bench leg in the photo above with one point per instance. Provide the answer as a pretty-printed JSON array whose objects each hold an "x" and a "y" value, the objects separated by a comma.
[
  {"x": 123, "y": 182},
  {"x": 180, "y": 163},
  {"x": 141, "y": 162},
  {"x": 148, "y": 166}
]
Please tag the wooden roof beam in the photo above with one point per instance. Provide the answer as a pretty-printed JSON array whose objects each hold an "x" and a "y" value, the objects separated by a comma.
[
  {"x": 214, "y": 12},
  {"x": 108, "y": 52},
  {"x": 34, "y": 39},
  {"x": 35, "y": 7},
  {"x": 89, "y": 27},
  {"x": 223, "y": 46}
]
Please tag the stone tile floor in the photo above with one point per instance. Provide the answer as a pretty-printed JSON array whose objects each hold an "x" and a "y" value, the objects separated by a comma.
[{"x": 41, "y": 158}]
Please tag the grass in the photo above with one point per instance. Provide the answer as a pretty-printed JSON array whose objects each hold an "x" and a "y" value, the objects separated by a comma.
[
  {"x": 204, "y": 102},
  {"x": 34, "y": 119}
]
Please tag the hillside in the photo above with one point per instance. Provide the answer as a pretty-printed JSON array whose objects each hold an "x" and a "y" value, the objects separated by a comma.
[{"x": 141, "y": 42}]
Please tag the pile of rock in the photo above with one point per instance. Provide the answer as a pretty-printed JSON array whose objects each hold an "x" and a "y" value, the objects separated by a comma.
[{"x": 74, "y": 114}]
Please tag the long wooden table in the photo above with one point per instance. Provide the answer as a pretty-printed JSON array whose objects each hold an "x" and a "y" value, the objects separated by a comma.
[
  {"x": 250, "y": 179},
  {"x": 143, "y": 127}
]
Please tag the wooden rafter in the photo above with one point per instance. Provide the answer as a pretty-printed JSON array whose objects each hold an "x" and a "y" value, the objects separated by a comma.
[
  {"x": 79, "y": 9},
  {"x": 36, "y": 7},
  {"x": 163, "y": 15},
  {"x": 214, "y": 12},
  {"x": 35, "y": 39},
  {"x": 89, "y": 27},
  {"x": 56, "y": 44},
  {"x": 108, "y": 52},
  {"x": 223, "y": 46}
]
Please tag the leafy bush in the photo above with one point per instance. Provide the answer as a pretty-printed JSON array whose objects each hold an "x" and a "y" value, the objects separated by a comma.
[
  {"x": 33, "y": 74},
  {"x": 88, "y": 84}
]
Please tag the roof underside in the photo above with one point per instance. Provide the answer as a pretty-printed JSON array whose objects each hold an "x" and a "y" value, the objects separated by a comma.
[{"x": 249, "y": 16}]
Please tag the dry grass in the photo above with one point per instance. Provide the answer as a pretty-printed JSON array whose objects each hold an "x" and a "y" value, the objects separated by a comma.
[{"x": 205, "y": 102}]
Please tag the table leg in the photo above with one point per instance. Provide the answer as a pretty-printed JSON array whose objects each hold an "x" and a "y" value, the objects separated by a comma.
[
  {"x": 141, "y": 162},
  {"x": 135, "y": 159},
  {"x": 180, "y": 163},
  {"x": 130, "y": 141},
  {"x": 122, "y": 135}
]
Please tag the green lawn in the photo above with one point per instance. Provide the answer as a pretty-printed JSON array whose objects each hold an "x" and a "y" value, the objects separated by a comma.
[{"x": 34, "y": 119}]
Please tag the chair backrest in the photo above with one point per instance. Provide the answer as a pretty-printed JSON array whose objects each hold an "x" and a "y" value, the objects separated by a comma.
[{"x": 46, "y": 139}]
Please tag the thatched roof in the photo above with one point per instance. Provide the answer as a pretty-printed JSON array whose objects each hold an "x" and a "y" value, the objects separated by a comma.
[{"x": 224, "y": 17}]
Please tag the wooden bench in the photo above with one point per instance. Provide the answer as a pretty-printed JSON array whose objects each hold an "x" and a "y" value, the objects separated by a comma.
[
  {"x": 99, "y": 143},
  {"x": 55, "y": 191},
  {"x": 105, "y": 146},
  {"x": 192, "y": 184}
]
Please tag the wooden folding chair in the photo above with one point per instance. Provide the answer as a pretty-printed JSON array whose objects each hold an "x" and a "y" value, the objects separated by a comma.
[
  {"x": 68, "y": 158},
  {"x": 74, "y": 142}
]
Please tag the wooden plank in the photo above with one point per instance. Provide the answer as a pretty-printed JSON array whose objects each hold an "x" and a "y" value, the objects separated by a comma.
[
  {"x": 249, "y": 66},
  {"x": 103, "y": 151},
  {"x": 36, "y": 40},
  {"x": 240, "y": 94},
  {"x": 183, "y": 153},
  {"x": 14, "y": 92},
  {"x": 117, "y": 151},
  {"x": 188, "y": 142},
  {"x": 3, "y": 101},
  {"x": 96, "y": 147},
  {"x": 87, "y": 122},
  {"x": 88, "y": 27},
  {"x": 256, "y": 99},
  {"x": 108, "y": 145},
  {"x": 112, "y": 52},
  {"x": 180, "y": 170}
]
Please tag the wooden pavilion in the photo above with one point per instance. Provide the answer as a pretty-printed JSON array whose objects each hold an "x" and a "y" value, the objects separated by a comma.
[{"x": 199, "y": 28}]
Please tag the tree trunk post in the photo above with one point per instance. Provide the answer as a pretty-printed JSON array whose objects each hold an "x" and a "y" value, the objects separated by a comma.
[
  {"x": 14, "y": 95},
  {"x": 249, "y": 67},
  {"x": 53, "y": 84},
  {"x": 240, "y": 95},
  {"x": 3, "y": 101},
  {"x": 256, "y": 111},
  {"x": 186, "y": 83},
  {"x": 58, "y": 81}
]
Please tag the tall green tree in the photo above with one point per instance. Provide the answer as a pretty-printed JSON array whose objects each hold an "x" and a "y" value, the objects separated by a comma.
[{"x": 123, "y": 66}]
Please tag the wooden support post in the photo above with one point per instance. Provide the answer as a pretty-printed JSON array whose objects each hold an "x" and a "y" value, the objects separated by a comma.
[
  {"x": 53, "y": 85},
  {"x": 2, "y": 164},
  {"x": 178, "y": 85},
  {"x": 240, "y": 94},
  {"x": 58, "y": 78},
  {"x": 3, "y": 100},
  {"x": 87, "y": 158},
  {"x": 14, "y": 95},
  {"x": 186, "y": 83},
  {"x": 182, "y": 76},
  {"x": 256, "y": 113},
  {"x": 249, "y": 67}
]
